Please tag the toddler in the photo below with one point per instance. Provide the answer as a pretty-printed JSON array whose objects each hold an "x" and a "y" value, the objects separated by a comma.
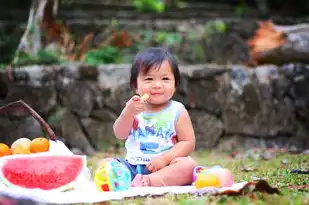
[{"x": 158, "y": 130}]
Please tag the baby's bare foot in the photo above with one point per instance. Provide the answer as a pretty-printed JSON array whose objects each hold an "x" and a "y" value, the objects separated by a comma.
[{"x": 140, "y": 180}]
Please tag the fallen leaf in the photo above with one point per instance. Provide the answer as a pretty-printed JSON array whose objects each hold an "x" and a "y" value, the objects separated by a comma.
[
  {"x": 284, "y": 161},
  {"x": 248, "y": 169},
  {"x": 299, "y": 187}
]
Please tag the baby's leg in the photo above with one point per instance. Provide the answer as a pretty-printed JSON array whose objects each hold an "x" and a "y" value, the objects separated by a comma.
[
  {"x": 140, "y": 180},
  {"x": 178, "y": 173}
]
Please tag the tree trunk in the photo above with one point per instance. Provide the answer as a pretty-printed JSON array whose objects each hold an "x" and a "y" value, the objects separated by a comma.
[
  {"x": 42, "y": 13},
  {"x": 273, "y": 44}
]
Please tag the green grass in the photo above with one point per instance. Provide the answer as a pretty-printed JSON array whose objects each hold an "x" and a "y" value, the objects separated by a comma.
[{"x": 276, "y": 170}]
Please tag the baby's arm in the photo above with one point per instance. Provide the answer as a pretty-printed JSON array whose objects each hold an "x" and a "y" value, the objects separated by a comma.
[
  {"x": 185, "y": 136},
  {"x": 123, "y": 125},
  {"x": 124, "y": 122}
]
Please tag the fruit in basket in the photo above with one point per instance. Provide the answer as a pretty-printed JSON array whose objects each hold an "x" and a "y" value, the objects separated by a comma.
[
  {"x": 39, "y": 144},
  {"x": 45, "y": 172},
  {"x": 21, "y": 146},
  {"x": 4, "y": 150}
]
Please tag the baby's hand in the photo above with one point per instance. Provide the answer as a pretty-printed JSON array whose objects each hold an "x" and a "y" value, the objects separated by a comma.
[
  {"x": 134, "y": 106},
  {"x": 157, "y": 163}
]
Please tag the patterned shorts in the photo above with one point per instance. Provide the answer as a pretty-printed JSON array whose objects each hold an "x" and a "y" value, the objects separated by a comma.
[{"x": 134, "y": 169}]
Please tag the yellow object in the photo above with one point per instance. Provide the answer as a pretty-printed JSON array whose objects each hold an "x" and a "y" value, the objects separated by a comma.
[
  {"x": 101, "y": 177},
  {"x": 21, "y": 146},
  {"x": 145, "y": 97},
  {"x": 205, "y": 180},
  {"x": 112, "y": 175}
]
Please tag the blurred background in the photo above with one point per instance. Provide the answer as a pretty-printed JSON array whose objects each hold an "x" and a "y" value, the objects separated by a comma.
[{"x": 143, "y": 23}]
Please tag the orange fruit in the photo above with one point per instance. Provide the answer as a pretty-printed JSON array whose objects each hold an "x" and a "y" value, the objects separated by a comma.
[
  {"x": 21, "y": 146},
  {"x": 4, "y": 150},
  {"x": 39, "y": 144}
]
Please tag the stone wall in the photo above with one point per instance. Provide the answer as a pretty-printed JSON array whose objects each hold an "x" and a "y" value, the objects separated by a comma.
[{"x": 231, "y": 107}]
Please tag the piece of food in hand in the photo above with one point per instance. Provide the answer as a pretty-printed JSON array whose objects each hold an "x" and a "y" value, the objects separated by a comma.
[
  {"x": 145, "y": 97},
  {"x": 21, "y": 146}
]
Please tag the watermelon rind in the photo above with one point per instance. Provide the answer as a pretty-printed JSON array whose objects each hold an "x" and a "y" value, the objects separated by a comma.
[{"x": 65, "y": 187}]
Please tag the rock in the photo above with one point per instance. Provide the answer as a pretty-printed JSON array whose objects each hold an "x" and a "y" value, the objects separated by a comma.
[
  {"x": 117, "y": 98},
  {"x": 104, "y": 115},
  {"x": 250, "y": 107},
  {"x": 299, "y": 76},
  {"x": 12, "y": 129},
  {"x": 77, "y": 151},
  {"x": 67, "y": 126},
  {"x": 224, "y": 41},
  {"x": 102, "y": 135},
  {"x": 42, "y": 99},
  {"x": 200, "y": 87},
  {"x": 306, "y": 152},
  {"x": 299, "y": 140},
  {"x": 232, "y": 143},
  {"x": 204, "y": 95},
  {"x": 34, "y": 84},
  {"x": 33, "y": 75},
  {"x": 88, "y": 72},
  {"x": 208, "y": 129},
  {"x": 77, "y": 96},
  {"x": 112, "y": 76}
]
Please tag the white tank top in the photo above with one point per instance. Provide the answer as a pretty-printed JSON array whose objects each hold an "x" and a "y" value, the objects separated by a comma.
[{"x": 152, "y": 134}]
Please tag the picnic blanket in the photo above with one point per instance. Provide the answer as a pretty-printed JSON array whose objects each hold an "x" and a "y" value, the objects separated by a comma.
[
  {"x": 87, "y": 195},
  {"x": 86, "y": 192}
]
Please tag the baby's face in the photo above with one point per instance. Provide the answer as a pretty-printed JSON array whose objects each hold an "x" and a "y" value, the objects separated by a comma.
[{"x": 158, "y": 83}]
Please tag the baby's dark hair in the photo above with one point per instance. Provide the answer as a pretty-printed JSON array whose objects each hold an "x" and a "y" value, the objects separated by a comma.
[{"x": 149, "y": 58}]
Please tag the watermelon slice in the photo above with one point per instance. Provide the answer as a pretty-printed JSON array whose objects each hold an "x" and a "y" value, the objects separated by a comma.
[{"x": 42, "y": 171}]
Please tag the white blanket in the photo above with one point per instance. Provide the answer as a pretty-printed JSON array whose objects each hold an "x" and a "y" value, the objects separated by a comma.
[{"x": 93, "y": 196}]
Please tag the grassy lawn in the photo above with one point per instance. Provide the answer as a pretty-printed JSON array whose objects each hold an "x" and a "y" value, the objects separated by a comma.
[{"x": 274, "y": 167}]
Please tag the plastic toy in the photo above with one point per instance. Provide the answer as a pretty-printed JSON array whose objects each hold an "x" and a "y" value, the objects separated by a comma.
[
  {"x": 212, "y": 177},
  {"x": 112, "y": 175}
]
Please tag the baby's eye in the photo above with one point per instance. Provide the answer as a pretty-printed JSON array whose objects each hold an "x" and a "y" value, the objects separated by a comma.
[
  {"x": 148, "y": 79},
  {"x": 166, "y": 78}
]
